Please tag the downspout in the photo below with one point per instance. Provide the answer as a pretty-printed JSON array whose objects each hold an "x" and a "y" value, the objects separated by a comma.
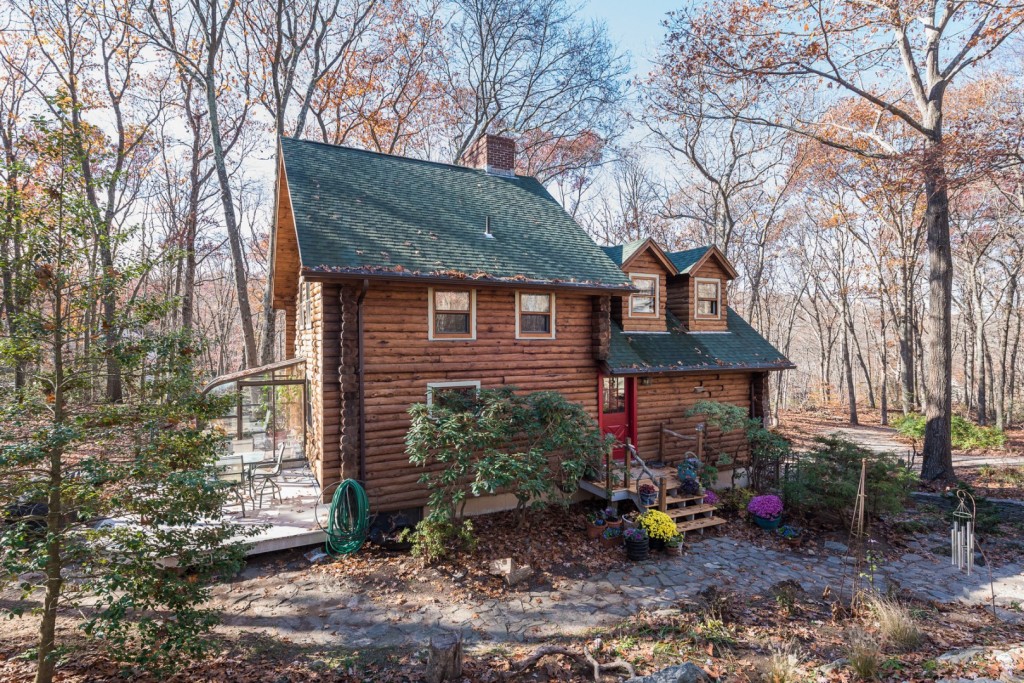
[{"x": 359, "y": 375}]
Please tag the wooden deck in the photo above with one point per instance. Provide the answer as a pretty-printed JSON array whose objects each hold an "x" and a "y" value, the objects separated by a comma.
[{"x": 690, "y": 513}]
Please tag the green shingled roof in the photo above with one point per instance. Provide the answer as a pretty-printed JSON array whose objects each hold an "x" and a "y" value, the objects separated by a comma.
[
  {"x": 684, "y": 260},
  {"x": 741, "y": 348},
  {"x": 363, "y": 212},
  {"x": 620, "y": 253}
]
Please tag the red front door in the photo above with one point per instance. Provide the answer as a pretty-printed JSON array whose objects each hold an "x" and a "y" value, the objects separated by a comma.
[{"x": 617, "y": 410}]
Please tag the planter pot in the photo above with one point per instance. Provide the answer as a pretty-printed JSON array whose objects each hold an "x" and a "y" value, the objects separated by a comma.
[
  {"x": 611, "y": 542},
  {"x": 795, "y": 542},
  {"x": 657, "y": 544},
  {"x": 769, "y": 524},
  {"x": 674, "y": 550},
  {"x": 595, "y": 530},
  {"x": 613, "y": 525},
  {"x": 637, "y": 550},
  {"x": 628, "y": 522},
  {"x": 648, "y": 499}
]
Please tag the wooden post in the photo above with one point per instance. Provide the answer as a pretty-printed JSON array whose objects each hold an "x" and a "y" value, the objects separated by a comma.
[
  {"x": 627, "y": 459},
  {"x": 608, "y": 472},
  {"x": 444, "y": 659},
  {"x": 662, "y": 497},
  {"x": 661, "y": 443},
  {"x": 700, "y": 441}
]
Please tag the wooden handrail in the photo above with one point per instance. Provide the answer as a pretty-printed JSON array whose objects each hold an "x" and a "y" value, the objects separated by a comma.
[{"x": 665, "y": 431}]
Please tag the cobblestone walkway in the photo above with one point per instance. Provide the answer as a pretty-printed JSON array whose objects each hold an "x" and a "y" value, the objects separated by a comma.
[{"x": 312, "y": 607}]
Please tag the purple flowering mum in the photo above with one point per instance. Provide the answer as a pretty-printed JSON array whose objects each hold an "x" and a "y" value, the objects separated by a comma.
[{"x": 765, "y": 507}]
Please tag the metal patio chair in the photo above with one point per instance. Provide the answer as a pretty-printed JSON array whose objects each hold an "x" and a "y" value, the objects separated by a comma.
[
  {"x": 264, "y": 475},
  {"x": 231, "y": 471}
]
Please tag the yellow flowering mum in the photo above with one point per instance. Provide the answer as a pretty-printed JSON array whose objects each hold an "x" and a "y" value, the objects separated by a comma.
[{"x": 657, "y": 524}]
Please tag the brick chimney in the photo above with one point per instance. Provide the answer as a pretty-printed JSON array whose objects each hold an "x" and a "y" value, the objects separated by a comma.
[{"x": 492, "y": 153}]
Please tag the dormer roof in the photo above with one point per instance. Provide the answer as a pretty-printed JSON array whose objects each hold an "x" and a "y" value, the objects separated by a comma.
[
  {"x": 622, "y": 254},
  {"x": 691, "y": 260}
]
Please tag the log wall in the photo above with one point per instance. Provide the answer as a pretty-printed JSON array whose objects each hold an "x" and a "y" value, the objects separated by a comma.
[
  {"x": 667, "y": 398},
  {"x": 400, "y": 362}
]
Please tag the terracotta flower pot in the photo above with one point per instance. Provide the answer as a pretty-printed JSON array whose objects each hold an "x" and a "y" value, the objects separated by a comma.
[{"x": 595, "y": 530}]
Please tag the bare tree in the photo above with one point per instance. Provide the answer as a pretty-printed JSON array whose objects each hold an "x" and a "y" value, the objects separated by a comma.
[
  {"x": 776, "y": 48},
  {"x": 531, "y": 68},
  {"x": 196, "y": 34}
]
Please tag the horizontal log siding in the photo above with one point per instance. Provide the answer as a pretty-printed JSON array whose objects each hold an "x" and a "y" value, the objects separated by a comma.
[
  {"x": 668, "y": 397},
  {"x": 646, "y": 263},
  {"x": 400, "y": 361}
]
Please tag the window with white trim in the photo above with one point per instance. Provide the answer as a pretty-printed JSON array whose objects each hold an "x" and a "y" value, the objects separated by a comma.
[
  {"x": 452, "y": 314},
  {"x": 645, "y": 302},
  {"x": 535, "y": 315},
  {"x": 709, "y": 298},
  {"x": 452, "y": 395}
]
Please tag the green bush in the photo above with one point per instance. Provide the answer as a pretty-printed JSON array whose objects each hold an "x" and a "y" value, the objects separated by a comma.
[
  {"x": 436, "y": 539},
  {"x": 966, "y": 435},
  {"x": 825, "y": 482}
]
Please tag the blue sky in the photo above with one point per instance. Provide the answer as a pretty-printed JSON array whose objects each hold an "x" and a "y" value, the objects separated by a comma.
[{"x": 635, "y": 25}]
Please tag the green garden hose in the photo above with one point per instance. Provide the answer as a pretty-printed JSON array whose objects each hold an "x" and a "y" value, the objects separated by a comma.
[{"x": 347, "y": 519}]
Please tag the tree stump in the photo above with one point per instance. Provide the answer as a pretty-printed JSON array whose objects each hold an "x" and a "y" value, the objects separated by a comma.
[{"x": 444, "y": 661}]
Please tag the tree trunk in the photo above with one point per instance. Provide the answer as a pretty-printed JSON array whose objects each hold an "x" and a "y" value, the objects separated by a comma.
[
  {"x": 848, "y": 374},
  {"x": 884, "y": 385},
  {"x": 46, "y": 656},
  {"x": 230, "y": 221},
  {"x": 937, "y": 458},
  {"x": 444, "y": 658}
]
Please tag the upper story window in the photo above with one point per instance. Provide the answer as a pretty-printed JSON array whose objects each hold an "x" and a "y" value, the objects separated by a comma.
[
  {"x": 709, "y": 298},
  {"x": 535, "y": 316},
  {"x": 645, "y": 302},
  {"x": 452, "y": 314}
]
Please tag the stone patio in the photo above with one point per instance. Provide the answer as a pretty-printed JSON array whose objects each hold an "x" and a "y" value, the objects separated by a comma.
[{"x": 316, "y": 607}]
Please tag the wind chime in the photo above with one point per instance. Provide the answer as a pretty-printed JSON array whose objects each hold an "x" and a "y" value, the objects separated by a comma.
[{"x": 962, "y": 535}]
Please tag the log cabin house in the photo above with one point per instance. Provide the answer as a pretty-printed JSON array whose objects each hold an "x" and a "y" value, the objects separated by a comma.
[{"x": 402, "y": 279}]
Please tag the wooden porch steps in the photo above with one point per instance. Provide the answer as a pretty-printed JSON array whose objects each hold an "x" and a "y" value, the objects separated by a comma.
[
  {"x": 699, "y": 524},
  {"x": 689, "y": 511}
]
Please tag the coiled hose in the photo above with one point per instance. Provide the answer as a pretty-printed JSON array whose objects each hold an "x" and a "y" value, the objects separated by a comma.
[{"x": 347, "y": 519}]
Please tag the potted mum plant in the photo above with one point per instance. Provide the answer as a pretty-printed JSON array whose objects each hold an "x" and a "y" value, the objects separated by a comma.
[
  {"x": 611, "y": 536},
  {"x": 766, "y": 511},
  {"x": 595, "y": 525},
  {"x": 659, "y": 527},
  {"x": 637, "y": 544},
  {"x": 674, "y": 545},
  {"x": 648, "y": 494}
]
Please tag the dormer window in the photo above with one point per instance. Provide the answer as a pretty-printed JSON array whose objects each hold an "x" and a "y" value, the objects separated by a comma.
[
  {"x": 644, "y": 304},
  {"x": 452, "y": 314},
  {"x": 709, "y": 298}
]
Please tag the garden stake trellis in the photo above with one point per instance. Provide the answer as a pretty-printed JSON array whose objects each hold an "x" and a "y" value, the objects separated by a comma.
[{"x": 962, "y": 535}]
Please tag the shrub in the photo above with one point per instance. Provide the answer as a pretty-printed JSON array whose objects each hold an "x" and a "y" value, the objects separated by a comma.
[
  {"x": 767, "y": 448},
  {"x": 826, "y": 480},
  {"x": 736, "y": 499},
  {"x": 657, "y": 524},
  {"x": 436, "y": 539},
  {"x": 895, "y": 624},
  {"x": 499, "y": 440},
  {"x": 966, "y": 435}
]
